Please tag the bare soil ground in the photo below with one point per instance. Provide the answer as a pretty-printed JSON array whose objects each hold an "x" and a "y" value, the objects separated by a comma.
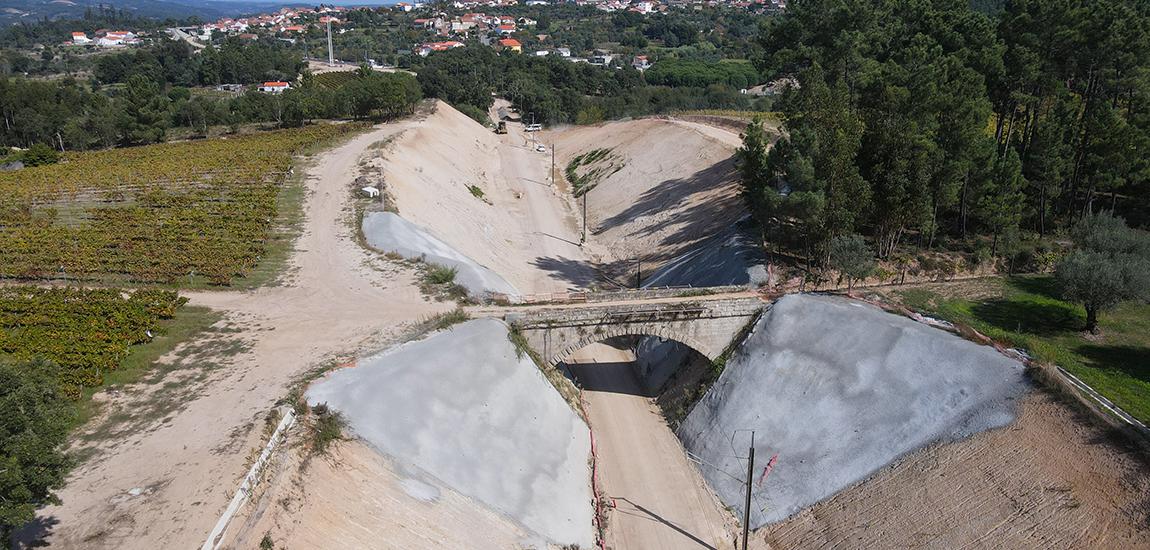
[
  {"x": 164, "y": 483},
  {"x": 1050, "y": 480},
  {"x": 353, "y": 498},
  {"x": 661, "y": 500}
]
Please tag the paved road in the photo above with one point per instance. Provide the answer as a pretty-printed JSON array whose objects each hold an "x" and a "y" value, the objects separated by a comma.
[
  {"x": 181, "y": 35},
  {"x": 661, "y": 500}
]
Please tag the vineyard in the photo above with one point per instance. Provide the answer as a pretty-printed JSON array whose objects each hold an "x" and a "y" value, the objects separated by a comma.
[
  {"x": 176, "y": 212},
  {"x": 336, "y": 79},
  {"x": 86, "y": 332}
]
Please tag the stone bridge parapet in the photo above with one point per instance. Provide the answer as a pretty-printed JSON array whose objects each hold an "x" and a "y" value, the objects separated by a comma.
[{"x": 707, "y": 325}]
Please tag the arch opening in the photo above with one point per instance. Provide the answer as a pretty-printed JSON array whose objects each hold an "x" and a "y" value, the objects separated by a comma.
[{"x": 654, "y": 366}]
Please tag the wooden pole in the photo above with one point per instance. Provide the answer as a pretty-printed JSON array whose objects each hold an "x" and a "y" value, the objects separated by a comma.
[{"x": 747, "y": 504}]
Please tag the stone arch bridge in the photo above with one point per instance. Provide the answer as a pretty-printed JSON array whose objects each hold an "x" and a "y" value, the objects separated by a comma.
[{"x": 708, "y": 324}]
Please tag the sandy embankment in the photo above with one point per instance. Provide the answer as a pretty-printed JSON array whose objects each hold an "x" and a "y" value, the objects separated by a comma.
[
  {"x": 520, "y": 226},
  {"x": 676, "y": 187},
  {"x": 673, "y": 199}
]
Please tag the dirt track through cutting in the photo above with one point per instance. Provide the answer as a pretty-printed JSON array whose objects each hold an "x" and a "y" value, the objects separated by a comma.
[{"x": 661, "y": 500}]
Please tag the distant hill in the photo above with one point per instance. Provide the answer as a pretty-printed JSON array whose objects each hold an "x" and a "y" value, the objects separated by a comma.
[{"x": 16, "y": 11}]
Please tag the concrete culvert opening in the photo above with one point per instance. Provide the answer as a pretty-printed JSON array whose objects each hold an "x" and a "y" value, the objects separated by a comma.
[{"x": 660, "y": 499}]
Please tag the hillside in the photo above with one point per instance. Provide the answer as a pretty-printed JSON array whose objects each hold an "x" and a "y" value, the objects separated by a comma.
[
  {"x": 487, "y": 197},
  {"x": 657, "y": 188}
]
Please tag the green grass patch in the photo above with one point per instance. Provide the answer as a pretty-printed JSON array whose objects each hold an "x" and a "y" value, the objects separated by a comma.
[
  {"x": 188, "y": 323},
  {"x": 587, "y": 170},
  {"x": 1026, "y": 312},
  {"x": 439, "y": 275},
  {"x": 441, "y": 321}
]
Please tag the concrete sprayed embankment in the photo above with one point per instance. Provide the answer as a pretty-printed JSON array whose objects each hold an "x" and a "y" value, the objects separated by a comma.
[
  {"x": 839, "y": 389},
  {"x": 388, "y": 232},
  {"x": 463, "y": 410}
]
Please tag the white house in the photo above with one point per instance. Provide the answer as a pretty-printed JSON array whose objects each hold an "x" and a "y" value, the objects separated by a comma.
[
  {"x": 117, "y": 38},
  {"x": 79, "y": 39},
  {"x": 274, "y": 87}
]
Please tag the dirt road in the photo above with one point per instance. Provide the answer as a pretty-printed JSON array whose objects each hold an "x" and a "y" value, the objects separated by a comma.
[
  {"x": 163, "y": 483},
  {"x": 549, "y": 222},
  {"x": 661, "y": 500}
]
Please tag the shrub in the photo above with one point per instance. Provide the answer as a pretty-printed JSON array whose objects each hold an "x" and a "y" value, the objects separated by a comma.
[
  {"x": 33, "y": 430},
  {"x": 475, "y": 113},
  {"x": 326, "y": 429},
  {"x": 440, "y": 275},
  {"x": 40, "y": 155}
]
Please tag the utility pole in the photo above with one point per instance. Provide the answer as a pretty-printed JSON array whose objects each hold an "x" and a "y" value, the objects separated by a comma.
[
  {"x": 747, "y": 504},
  {"x": 639, "y": 273},
  {"x": 330, "y": 51},
  {"x": 583, "y": 239}
]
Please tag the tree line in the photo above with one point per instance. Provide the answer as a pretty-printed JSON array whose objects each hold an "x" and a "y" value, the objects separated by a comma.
[
  {"x": 932, "y": 124},
  {"x": 555, "y": 90},
  {"x": 69, "y": 115},
  {"x": 233, "y": 61}
]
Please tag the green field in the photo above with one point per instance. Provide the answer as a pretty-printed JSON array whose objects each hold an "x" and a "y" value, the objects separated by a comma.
[{"x": 1026, "y": 312}]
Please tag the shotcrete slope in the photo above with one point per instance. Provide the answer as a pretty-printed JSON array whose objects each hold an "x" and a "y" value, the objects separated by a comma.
[
  {"x": 462, "y": 409},
  {"x": 388, "y": 232},
  {"x": 838, "y": 389}
]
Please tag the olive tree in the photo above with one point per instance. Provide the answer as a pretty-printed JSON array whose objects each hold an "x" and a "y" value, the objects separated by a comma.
[
  {"x": 852, "y": 258},
  {"x": 1110, "y": 265}
]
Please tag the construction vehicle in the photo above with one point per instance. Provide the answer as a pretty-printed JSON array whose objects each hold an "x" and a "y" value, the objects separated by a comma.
[{"x": 501, "y": 127}]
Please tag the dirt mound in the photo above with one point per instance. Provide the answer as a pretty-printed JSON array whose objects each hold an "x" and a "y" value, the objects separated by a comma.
[
  {"x": 838, "y": 389},
  {"x": 355, "y": 498},
  {"x": 657, "y": 187}
]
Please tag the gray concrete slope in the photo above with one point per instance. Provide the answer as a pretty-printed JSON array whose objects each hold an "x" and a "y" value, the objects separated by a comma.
[
  {"x": 461, "y": 409},
  {"x": 730, "y": 258},
  {"x": 840, "y": 389},
  {"x": 388, "y": 232}
]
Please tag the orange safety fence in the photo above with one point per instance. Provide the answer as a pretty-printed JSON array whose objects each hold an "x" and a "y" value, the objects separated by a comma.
[{"x": 599, "y": 527}]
